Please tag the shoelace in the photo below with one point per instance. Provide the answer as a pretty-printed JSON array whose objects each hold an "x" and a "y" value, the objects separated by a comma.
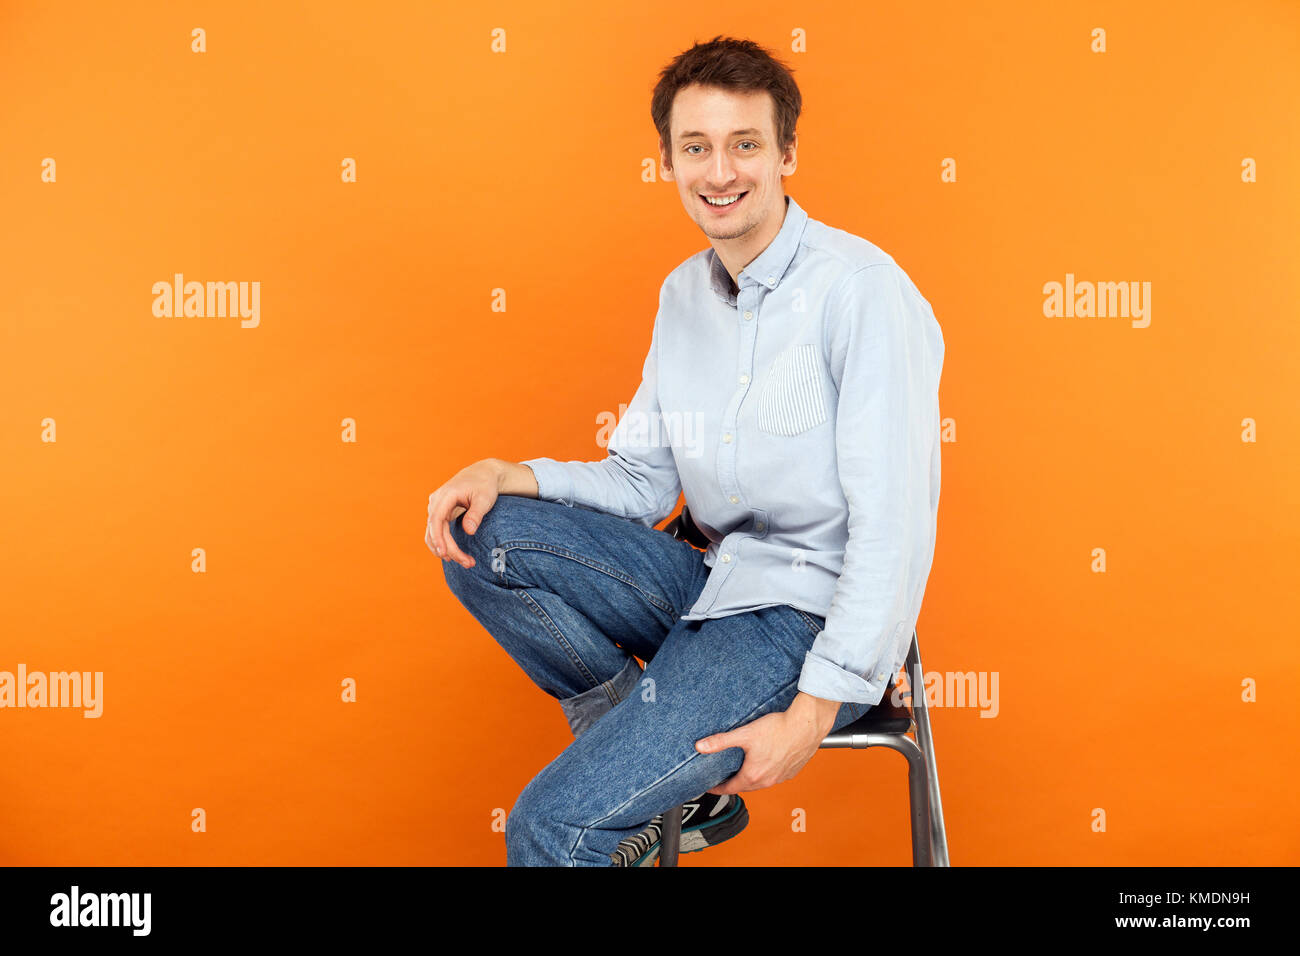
[{"x": 634, "y": 847}]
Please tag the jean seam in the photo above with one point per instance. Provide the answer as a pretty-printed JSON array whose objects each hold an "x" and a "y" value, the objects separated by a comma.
[
  {"x": 582, "y": 831},
  {"x": 654, "y": 599},
  {"x": 560, "y": 639},
  {"x": 816, "y": 628}
]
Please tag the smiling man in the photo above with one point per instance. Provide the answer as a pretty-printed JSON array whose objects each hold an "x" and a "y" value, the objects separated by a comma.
[
  {"x": 732, "y": 188},
  {"x": 811, "y": 364}
]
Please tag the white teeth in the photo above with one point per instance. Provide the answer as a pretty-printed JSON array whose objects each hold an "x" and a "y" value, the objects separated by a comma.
[{"x": 721, "y": 202}]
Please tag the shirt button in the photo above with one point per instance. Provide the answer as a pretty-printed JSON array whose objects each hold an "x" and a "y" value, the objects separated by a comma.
[
  {"x": 749, "y": 315},
  {"x": 744, "y": 379},
  {"x": 727, "y": 438},
  {"x": 734, "y": 499},
  {"x": 880, "y": 676},
  {"x": 771, "y": 279},
  {"x": 759, "y": 526},
  {"x": 726, "y": 558}
]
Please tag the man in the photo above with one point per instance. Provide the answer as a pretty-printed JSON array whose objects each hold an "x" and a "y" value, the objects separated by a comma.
[{"x": 797, "y": 368}]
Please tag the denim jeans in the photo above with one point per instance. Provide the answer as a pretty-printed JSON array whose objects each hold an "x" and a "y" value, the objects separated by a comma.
[{"x": 572, "y": 594}]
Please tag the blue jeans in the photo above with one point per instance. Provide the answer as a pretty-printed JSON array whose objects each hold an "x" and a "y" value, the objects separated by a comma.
[{"x": 572, "y": 594}]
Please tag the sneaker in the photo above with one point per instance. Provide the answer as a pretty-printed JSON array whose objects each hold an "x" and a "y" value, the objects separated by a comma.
[{"x": 707, "y": 820}]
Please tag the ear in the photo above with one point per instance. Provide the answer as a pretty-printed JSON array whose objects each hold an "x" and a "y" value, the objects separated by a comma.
[
  {"x": 665, "y": 164},
  {"x": 791, "y": 158}
]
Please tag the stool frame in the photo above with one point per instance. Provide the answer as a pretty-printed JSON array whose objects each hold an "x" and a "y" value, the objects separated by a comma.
[{"x": 885, "y": 725}]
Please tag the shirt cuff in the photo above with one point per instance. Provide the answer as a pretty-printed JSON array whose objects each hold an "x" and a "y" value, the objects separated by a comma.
[
  {"x": 553, "y": 481},
  {"x": 821, "y": 678}
]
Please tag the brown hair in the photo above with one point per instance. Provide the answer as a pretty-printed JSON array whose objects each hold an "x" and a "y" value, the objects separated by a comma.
[{"x": 740, "y": 65}]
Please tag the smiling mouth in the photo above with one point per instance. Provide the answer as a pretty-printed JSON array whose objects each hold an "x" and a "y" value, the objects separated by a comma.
[{"x": 740, "y": 197}]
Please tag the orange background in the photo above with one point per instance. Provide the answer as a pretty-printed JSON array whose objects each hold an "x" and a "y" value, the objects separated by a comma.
[{"x": 522, "y": 171}]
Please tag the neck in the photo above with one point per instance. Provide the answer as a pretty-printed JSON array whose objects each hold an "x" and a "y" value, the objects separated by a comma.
[{"x": 735, "y": 254}]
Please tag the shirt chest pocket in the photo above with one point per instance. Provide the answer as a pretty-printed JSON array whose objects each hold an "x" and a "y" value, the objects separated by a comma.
[{"x": 791, "y": 400}]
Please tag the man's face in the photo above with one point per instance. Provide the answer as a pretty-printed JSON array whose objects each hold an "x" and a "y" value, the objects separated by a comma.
[{"x": 724, "y": 145}]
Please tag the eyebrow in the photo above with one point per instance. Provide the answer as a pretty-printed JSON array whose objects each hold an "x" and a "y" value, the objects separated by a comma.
[{"x": 739, "y": 132}]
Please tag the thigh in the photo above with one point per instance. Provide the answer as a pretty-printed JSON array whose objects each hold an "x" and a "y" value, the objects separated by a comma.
[
  {"x": 640, "y": 758},
  {"x": 632, "y": 581}
]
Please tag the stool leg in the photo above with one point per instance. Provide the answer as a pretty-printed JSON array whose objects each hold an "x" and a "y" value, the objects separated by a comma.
[
  {"x": 670, "y": 836},
  {"x": 921, "y": 717},
  {"x": 918, "y": 796}
]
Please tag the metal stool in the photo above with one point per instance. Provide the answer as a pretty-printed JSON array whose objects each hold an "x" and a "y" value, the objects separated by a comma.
[{"x": 885, "y": 725}]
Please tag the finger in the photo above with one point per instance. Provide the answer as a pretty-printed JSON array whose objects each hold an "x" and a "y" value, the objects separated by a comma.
[
  {"x": 727, "y": 786},
  {"x": 715, "y": 742},
  {"x": 453, "y": 549},
  {"x": 738, "y": 782},
  {"x": 447, "y": 549},
  {"x": 431, "y": 525},
  {"x": 434, "y": 542},
  {"x": 476, "y": 505},
  {"x": 438, "y": 523},
  {"x": 473, "y": 518}
]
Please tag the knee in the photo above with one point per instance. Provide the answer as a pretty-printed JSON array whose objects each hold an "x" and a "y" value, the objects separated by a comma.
[
  {"x": 461, "y": 580},
  {"x": 510, "y": 518},
  {"x": 532, "y": 838},
  {"x": 518, "y": 824},
  {"x": 495, "y": 526},
  {"x": 483, "y": 546}
]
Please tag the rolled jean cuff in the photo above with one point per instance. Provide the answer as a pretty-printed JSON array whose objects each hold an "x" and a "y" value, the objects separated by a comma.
[{"x": 588, "y": 707}]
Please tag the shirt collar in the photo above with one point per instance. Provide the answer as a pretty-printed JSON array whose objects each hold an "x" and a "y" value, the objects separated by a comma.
[{"x": 769, "y": 268}]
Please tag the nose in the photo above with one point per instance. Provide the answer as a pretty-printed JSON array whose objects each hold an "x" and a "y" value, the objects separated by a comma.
[{"x": 722, "y": 171}]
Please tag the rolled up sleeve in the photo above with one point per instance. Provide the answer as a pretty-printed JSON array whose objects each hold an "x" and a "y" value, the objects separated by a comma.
[{"x": 886, "y": 353}]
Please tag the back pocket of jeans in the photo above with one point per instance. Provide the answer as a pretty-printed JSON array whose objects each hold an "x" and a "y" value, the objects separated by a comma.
[{"x": 791, "y": 400}]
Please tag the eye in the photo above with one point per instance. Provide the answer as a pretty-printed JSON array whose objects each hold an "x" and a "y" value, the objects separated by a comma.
[
  {"x": 751, "y": 143},
  {"x": 693, "y": 146}
]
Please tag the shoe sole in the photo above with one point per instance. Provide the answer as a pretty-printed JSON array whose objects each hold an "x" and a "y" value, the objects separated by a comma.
[{"x": 693, "y": 839}]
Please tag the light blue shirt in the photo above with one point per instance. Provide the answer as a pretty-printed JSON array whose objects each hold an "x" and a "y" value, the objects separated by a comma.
[{"x": 800, "y": 416}]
